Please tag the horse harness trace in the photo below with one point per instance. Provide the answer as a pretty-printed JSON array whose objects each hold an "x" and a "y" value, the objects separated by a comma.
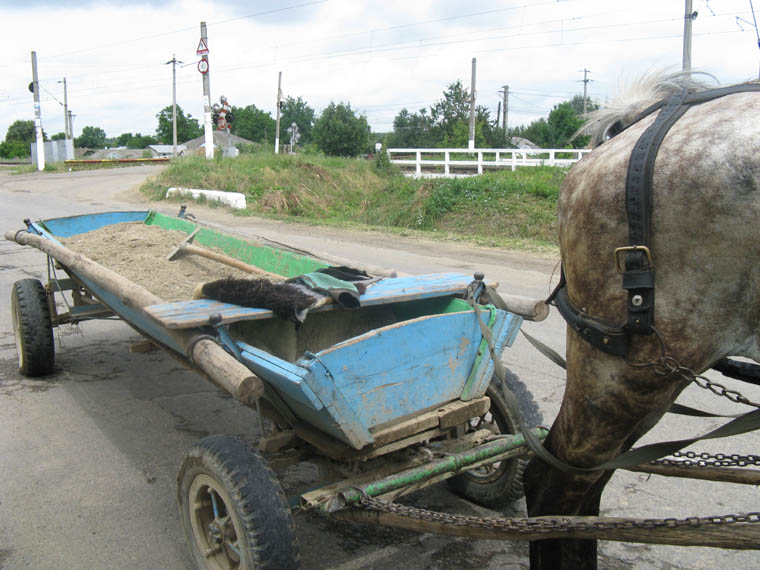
[{"x": 635, "y": 261}]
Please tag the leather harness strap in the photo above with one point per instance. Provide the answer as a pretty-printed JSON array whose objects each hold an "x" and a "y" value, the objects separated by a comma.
[{"x": 635, "y": 261}]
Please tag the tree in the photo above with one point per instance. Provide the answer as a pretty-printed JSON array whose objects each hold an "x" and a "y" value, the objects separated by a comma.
[
  {"x": 22, "y": 131},
  {"x": 142, "y": 141},
  {"x": 123, "y": 139},
  {"x": 447, "y": 124},
  {"x": 559, "y": 129},
  {"x": 298, "y": 111},
  {"x": 188, "y": 128},
  {"x": 577, "y": 105},
  {"x": 92, "y": 137},
  {"x": 339, "y": 132},
  {"x": 58, "y": 137},
  {"x": 15, "y": 149},
  {"x": 135, "y": 141},
  {"x": 252, "y": 123},
  {"x": 446, "y": 113},
  {"x": 411, "y": 130}
]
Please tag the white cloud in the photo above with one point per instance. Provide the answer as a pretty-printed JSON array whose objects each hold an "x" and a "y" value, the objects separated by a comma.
[{"x": 380, "y": 55}]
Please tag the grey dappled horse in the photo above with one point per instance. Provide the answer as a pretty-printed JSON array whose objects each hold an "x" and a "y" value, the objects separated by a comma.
[{"x": 704, "y": 244}]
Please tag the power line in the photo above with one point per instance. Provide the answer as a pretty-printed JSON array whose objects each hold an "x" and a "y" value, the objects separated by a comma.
[{"x": 172, "y": 32}]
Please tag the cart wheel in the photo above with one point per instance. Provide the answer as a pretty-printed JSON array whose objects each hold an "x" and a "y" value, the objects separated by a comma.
[
  {"x": 233, "y": 510},
  {"x": 32, "y": 328},
  {"x": 500, "y": 483}
]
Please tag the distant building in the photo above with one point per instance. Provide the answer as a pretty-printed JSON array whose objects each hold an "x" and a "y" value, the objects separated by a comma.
[
  {"x": 221, "y": 140},
  {"x": 166, "y": 150},
  {"x": 116, "y": 153},
  {"x": 520, "y": 142}
]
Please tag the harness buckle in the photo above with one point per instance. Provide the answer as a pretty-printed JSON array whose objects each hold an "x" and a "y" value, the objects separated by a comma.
[{"x": 620, "y": 266}]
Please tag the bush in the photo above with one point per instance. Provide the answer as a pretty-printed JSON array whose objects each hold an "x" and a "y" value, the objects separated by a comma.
[
  {"x": 339, "y": 132},
  {"x": 15, "y": 149}
]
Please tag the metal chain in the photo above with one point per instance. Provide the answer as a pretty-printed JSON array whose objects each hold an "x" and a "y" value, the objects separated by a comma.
[
  {"x": 666, "y": 365},
  {"x": 709, "y": 460},
  {"x": 544, "y": 525}
]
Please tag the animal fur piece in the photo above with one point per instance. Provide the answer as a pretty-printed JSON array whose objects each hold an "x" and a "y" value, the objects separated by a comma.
[{"x": 284, "y": 300}]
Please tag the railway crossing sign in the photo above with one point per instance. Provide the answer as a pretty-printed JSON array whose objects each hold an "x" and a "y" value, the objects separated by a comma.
[{"x": 202, "y": 48}]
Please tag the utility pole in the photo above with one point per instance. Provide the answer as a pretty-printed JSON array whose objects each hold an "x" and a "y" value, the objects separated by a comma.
[
  {"x": 66, "y": 131},
  {"x": 69, "y": 135},
  {"x": 277, "y": 127},
  {"x": 688, "y": 18},
  {"x": 208, "y": 128},
  {"x": 174, "y": 63},
  {"x": 37, "y": 115},
  {"x": 471, "y": 145},
  {"x": 585, "y": 87},
  {"x": 504, "y": 122}
]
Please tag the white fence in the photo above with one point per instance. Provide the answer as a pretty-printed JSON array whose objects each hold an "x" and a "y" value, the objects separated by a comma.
[{"x": 427, "y": 162}]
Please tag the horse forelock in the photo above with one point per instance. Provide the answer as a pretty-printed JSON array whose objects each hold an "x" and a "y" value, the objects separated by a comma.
[{"x": 632, "y": 99}]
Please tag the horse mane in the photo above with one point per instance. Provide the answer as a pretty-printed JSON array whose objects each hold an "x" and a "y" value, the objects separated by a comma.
[{"x": 634, "y": 98}]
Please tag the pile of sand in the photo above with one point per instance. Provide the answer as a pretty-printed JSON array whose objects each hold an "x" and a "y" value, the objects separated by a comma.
[{"x": 138, "y": 252}]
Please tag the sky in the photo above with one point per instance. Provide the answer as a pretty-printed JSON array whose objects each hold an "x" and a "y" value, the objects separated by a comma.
[{"x": 380, "y": 56}]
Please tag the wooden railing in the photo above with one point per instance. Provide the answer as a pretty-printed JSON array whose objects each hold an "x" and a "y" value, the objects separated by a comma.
[{"x": 431, "y": 162}]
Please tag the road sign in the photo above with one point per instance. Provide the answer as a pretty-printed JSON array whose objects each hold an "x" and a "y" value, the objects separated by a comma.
[
  {"x": 203, "y": 66},
  {"x": 202, "y": 48}
]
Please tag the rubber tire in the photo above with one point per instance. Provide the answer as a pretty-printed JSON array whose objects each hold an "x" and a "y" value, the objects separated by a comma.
[
  {"x": 32, "y": 328},
  {"x": 257, "y": 502},
  {"x": 507, "y": 486}
]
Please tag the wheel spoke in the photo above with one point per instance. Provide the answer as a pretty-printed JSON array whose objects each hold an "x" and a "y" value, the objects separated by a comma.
[{"x": 213, "y": 502}]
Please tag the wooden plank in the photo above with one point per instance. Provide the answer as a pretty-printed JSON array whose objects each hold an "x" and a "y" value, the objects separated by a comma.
[
  {"x": 188, "y": 314},
  {"x": 445, "y": 417}
]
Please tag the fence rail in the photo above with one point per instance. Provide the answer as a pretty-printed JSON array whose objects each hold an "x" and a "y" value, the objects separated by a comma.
[{"x": 427, "y": 162}]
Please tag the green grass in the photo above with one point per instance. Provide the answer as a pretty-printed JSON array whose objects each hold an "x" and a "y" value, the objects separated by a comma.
[{"x": 502, "y": 208}]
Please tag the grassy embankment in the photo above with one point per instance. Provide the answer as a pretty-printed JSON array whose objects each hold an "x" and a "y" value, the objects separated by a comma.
[{"x": 515, "y": 210}]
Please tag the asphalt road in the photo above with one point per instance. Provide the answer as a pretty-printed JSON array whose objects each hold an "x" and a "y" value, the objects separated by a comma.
[{"x": 88, "y": 457}]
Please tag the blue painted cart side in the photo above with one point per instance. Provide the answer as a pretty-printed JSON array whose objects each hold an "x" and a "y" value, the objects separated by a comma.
[
  {"x": 401, "y": 369},
  {"x": 74, "y": 225}
]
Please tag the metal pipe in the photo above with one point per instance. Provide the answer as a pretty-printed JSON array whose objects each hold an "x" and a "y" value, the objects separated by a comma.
[{"x": 448, "y": 465}]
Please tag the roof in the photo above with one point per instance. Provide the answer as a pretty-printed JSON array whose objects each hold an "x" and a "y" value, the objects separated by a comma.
[
  {"x": 166, "y": 148},
  {"x": 120, "y": 152},
  {"x": 220, "y": 140}
]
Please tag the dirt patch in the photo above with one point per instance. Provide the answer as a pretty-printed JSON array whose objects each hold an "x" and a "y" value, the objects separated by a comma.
[{"x": 138, "y": 253}]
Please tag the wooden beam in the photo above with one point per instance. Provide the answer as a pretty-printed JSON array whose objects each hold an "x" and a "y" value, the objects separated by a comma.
[
  {"x": 723, "y": 474},
  {"x": 736, "y": 536}
]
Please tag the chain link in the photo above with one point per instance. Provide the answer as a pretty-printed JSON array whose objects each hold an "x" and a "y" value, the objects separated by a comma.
[
  {"x": 666, "y": 365},
  {"x": 545, "y": 524},
  {"x": 709, "y": 460}
]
